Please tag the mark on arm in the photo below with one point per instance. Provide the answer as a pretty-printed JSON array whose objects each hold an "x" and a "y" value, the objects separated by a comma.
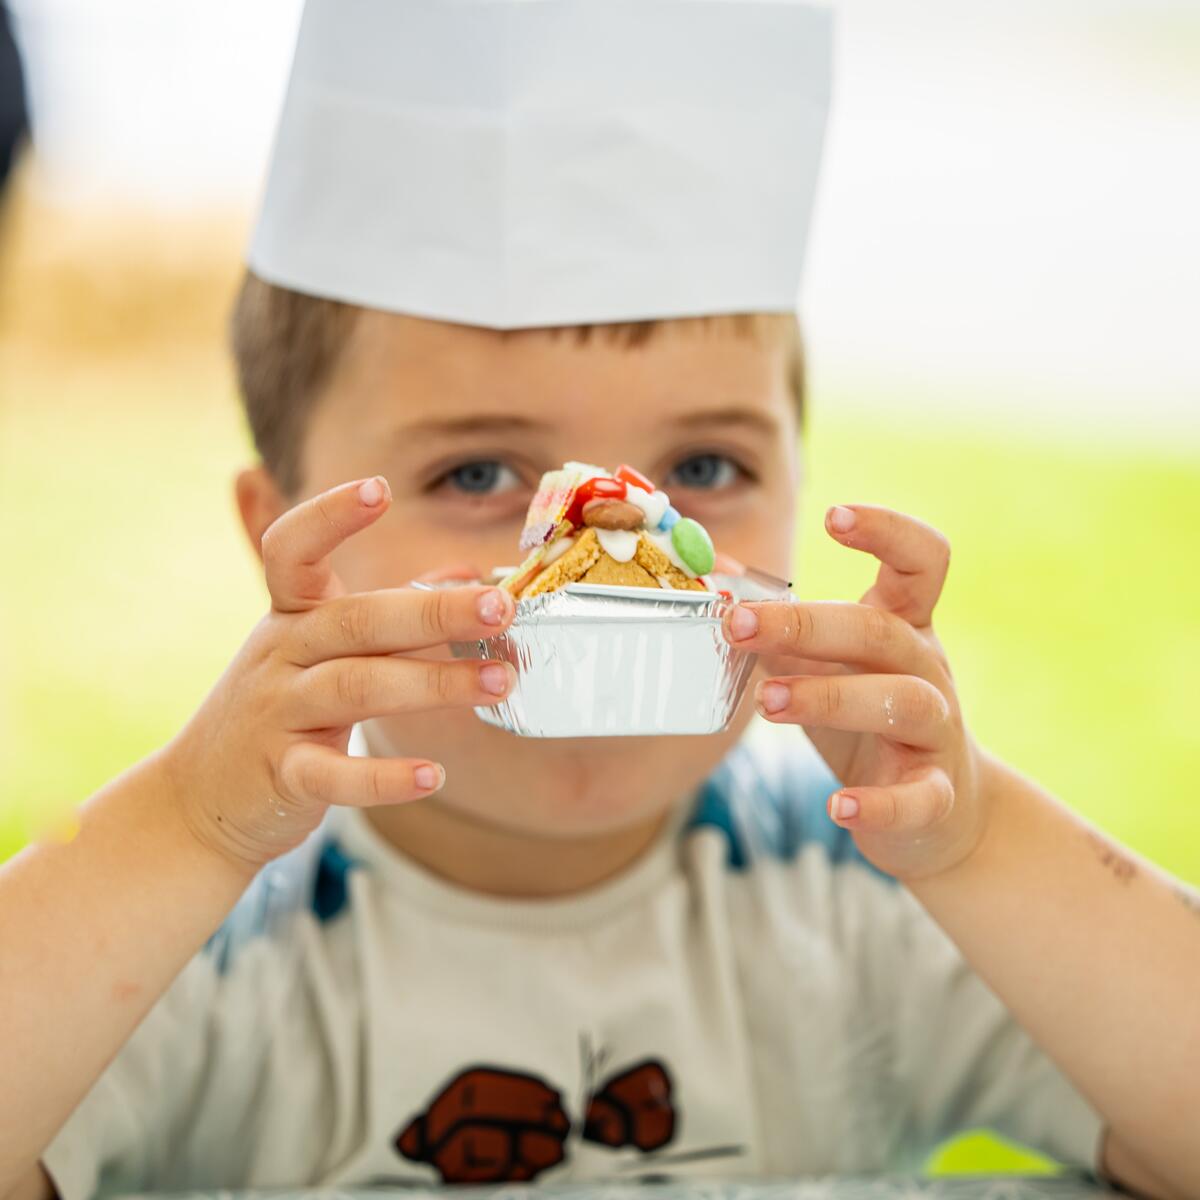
[{"x": 1114, "y": 859}]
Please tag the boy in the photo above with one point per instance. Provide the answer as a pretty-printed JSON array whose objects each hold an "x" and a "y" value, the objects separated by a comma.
[{"x": 468, "y": 957}]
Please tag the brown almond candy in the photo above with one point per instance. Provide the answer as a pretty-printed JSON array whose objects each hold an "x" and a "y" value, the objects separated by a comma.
[{"x": 612, "y": 514}]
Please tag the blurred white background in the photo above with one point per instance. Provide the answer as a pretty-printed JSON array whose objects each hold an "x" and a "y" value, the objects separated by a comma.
[{"x": 1009, "y": 205}]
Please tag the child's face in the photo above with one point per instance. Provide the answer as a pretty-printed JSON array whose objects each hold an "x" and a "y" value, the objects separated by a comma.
[{"x": 462, "y": 422}]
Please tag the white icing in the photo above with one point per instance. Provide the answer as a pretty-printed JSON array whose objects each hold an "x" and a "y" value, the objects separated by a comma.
[
  {"x": 620, "y": 544},
  {"x": 586, "y": 470},
  {"x": 652, "y": 504},
  {"x": 556, "y": 550},
  {"x": 664, "y": 543}
]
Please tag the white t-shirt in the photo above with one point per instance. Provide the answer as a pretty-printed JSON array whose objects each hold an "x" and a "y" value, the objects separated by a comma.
[{"x": 749, "y": 998}]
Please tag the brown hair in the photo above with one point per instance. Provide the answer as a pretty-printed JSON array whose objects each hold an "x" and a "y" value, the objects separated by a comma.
[{"x": 286, "y": 345}]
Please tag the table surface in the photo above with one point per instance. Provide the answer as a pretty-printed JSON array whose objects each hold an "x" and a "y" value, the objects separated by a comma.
[{"x": 959, "y": 1187}]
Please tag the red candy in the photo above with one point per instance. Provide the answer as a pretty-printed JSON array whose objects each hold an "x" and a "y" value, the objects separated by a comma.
[
  {"x": 636, "y": 478},
  {"x": 600, "y": 488}
]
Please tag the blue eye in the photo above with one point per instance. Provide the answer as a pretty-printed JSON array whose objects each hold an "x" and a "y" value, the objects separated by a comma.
[
  {"x": 705, "y": 472},
  {"x": 484, "y": 478}
]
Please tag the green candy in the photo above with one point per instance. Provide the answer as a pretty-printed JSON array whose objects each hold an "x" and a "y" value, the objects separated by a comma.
[{"x": 693, "y": 545}]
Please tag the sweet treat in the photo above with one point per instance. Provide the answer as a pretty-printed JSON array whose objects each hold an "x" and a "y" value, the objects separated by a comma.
[
  {"x": 586, "y": 526},
  {"x": 639, "y": 650}
]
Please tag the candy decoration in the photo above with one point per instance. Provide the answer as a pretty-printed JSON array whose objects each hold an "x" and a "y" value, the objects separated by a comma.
[
  {"x": 541, "y": 555},
  {"x": 599, "y": 488},
  {"x": 627, "y": 474},
  {"x": 669, "y": 518},
  {"x": 652, "y": 504},
  {"x": 693, "y": 545},
  {"x": 554, "y": 495}
]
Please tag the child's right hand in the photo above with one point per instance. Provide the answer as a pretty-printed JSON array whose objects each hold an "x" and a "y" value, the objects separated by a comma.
[{"x": 257, "y": 766}]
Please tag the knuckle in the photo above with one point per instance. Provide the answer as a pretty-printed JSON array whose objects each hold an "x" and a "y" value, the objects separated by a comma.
[
  {"x": 926, "y": 705},
  {"x": 435, "y": 615},
  {"x": 375, "y": 792},
  {"x": 889, "y": 810},
  {"x": 878, "y": 629},
  {"x": 798, "y": 625},
  {"x": 441, "y": 683},
  {"x": 358, "y": 624},
  {"x": 828, "y": 697},
  {"x": 356, "y": 684}
]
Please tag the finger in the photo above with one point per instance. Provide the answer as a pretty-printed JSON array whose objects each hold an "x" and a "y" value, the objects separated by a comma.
[
  {"x": 345, "y": 690},
  {"x": 396, "y": 619},
  {"x": 918, "y": 803},
  {"x": 914, "y": 557},
  {"x": 830, "y": 631},
  {"x": 901, "y": 708},
  {"x": 312, "y": 773},
  {"x": 296, "y": 547}
]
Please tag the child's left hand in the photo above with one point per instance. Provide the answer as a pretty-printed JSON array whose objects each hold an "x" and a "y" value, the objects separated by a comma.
[{"x": 877, "y": 698}]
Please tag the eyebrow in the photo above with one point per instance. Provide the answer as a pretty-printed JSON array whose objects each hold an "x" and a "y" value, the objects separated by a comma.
[
  {"x": 733, "y": 415},
  {"x": 448, "y": 427},
  {"x": 476, "y": 423}
]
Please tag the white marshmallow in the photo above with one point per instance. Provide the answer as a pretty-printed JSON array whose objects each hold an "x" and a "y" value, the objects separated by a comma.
[{"x": 620, "y": 544}]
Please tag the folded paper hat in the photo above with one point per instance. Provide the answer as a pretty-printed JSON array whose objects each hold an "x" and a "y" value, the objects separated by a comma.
[{"x": 511, "y": 163}]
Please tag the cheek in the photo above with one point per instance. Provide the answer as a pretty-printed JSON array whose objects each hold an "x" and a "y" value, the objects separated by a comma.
[
  {"x": 376, "y": 558},
  {"x": 760, "y": 538}
]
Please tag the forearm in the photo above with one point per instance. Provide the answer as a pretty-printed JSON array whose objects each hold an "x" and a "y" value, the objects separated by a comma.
[
  {"x": 91, "y": 934},
  {"x": 1096, "y": 952}
]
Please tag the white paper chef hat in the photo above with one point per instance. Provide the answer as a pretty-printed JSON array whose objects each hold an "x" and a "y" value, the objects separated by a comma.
[{"x": 511, "y": 163}]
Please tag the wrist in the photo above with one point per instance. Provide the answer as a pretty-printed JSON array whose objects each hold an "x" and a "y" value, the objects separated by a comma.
[
  {"x": 995, "y": 803},
  {"x": 198, "y": 831},
  {"x": 973, "y": 826}
]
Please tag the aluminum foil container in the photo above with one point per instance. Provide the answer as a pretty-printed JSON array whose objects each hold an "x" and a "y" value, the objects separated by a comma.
[{"x": 597, "y": 661}]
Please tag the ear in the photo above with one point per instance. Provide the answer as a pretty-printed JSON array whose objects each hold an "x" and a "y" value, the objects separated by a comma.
[{"x": 259, "y": 502}]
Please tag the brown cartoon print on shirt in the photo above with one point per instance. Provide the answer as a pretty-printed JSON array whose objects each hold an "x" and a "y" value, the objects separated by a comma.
[
  {"x": 489, "y": 1125},
  {"x": 493, "y": 1125},
  {"x": 632, "y": 1109}
]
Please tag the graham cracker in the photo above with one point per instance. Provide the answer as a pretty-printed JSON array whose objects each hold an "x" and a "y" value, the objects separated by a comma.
[
  {"x": 570, "y": 568},
  {"x": 652, "y": 560}
]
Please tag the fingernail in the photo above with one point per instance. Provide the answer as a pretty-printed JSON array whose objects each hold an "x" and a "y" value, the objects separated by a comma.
[
  {"x": 493, "y": 606},
  {"x": 843, "y": 807},
  {"x": 497, "y": 678},
  {"x": 841, "y": 519},
  {"x": 429, "y": 777},
  {"x": 372, "y": 492},
  {"x": 773, "y": 697},
  {"x": 743, "y": 623}
]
